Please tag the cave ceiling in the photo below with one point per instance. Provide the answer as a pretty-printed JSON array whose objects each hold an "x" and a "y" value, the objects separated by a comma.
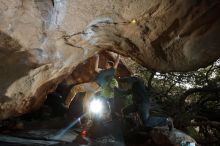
[{"x": 42, "y": 41}]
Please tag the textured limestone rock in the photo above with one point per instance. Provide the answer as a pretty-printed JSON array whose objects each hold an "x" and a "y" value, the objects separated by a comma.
[
  {"x": 43, "y": 40},
  {"x": 166, "y": 35},
  {"x": 85, "y": 72},
  {"x": 33, "y": 61}
]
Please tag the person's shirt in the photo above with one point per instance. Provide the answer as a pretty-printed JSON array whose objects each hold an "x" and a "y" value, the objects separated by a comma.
[
  {"x": 137, "y": 88},
  {"x": 139, "y": 92},
  {"x": 104, "y": 76}
]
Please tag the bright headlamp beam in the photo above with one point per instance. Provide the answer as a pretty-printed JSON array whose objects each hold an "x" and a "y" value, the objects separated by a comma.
[{"x": 96, "y": 106}]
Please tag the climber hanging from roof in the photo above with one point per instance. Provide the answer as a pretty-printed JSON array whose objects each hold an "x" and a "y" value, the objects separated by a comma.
[
  {"x": 105, "y": 79},
  {"x": 106, "y": 75},
  {"x": 104, "y": 84}
]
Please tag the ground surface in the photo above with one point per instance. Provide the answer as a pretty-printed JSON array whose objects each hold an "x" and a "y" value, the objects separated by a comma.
[{"x": 103, "y": 135}]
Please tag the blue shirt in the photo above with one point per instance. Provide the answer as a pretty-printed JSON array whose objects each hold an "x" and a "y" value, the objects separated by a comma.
[{"x": 105, "y": 76}]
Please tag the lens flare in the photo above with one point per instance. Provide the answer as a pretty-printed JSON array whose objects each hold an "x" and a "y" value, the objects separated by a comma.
[
  {"x": 96, "y": 106},
  {"x": 62, "y": 132}
]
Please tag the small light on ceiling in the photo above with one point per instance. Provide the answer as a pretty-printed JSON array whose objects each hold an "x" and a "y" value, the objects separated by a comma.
[{"x": 133, "y": 21}]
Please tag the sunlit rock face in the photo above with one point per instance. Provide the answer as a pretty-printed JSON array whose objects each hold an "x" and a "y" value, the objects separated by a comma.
[
  {"x": 85, "y": 71},
  {"x": 43, "y": 40}
]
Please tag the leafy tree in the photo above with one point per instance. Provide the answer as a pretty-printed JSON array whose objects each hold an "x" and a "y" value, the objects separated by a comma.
[{"x": 191, "y": 98}]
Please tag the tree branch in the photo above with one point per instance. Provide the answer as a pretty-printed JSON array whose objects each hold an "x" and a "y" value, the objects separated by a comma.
[
  {"x": 211, "y": 123},
  {"x": 206, "y": 89},
  {"x": 209, "y": 98},
  {"x": 170, "y": 89},
  {"x": 150, "y": 79},
  {"x": 207, "y": 74}
]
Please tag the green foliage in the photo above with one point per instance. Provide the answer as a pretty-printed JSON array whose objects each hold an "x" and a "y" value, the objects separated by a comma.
[
  {"x": 192, "y": 132},
  {"x": 198, "y": 109}
]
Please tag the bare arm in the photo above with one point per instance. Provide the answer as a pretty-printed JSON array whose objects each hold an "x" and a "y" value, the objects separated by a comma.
[
  {"x": 97, "y": 63},
  {"x": 117, "y": 61}
]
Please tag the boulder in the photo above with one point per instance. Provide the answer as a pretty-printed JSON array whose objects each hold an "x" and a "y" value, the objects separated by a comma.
[{"x": 42, "y": 41}]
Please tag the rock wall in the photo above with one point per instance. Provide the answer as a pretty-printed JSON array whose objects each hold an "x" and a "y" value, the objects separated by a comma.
[
  {"x": 43, "y": 40},
  {"x": 170, "y": 35},
  {"x": 34, "y": 56}
]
